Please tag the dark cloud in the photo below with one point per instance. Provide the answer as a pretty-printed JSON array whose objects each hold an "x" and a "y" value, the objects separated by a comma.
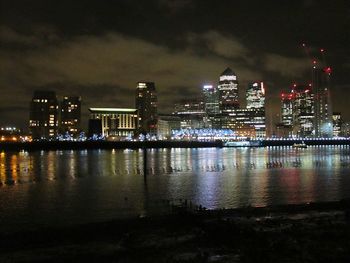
[{"x": 99, "y": 50}]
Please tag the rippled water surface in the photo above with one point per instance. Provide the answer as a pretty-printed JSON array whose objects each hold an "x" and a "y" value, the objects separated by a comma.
[{"x": 68, "y": 187}]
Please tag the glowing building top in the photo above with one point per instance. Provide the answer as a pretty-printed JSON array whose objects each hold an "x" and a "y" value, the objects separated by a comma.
[{"x": 228, "y": 90}]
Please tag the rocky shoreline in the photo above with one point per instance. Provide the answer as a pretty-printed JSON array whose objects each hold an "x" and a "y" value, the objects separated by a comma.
[{"x": 318, "y": 232}]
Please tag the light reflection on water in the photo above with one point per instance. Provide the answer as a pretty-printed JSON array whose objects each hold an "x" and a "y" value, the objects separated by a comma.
[{"x": 63, "y": 187}]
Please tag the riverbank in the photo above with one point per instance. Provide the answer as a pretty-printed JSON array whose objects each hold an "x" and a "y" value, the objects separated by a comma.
[
  {"x": 292, "y": 233},
  {"x": 90, "y": 145}
]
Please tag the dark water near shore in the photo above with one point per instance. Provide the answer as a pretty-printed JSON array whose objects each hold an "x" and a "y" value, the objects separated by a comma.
[{"x": 69, "y": 187}]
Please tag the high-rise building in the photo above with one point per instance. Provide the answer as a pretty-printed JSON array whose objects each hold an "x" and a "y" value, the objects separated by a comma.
[
  {"x": 70, "y": 115},
  {"x": 337, "y": 124},
  {"x": 255, "y": 95},
  {"x": 345, "y": 129},
  {"x": 146, "y": 104},
  {"x": 211, "y": 100},
  {"x": 297, "y": 108},
  {"x": 43, "y": 120},
  {"x": 322, "y": 111},
  {"x": 249, "y": 121},
  {"x": 303, "y": 110},
  {"x": 287, "y": 109},
  {"x": 228, "y": 90},
  {"x": 211, "y": 104}
]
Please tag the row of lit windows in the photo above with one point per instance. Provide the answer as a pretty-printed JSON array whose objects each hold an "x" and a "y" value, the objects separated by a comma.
[{"x": 39, "y": 100}]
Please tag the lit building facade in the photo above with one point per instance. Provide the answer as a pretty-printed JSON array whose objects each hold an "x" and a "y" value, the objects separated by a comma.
[
  {"x": 251, "y": 121},
  {"x": 70, "y": 115},
  {"x": 192, "y": 114},
  {"x": 345, "y": 129},
  {"x": 43, "y": 119},
  {"x": 287, "y": 109},
  {"x": 146, "y": 104},
  {"x": 211, "y": 100},
  {"x": 337, "y": 124},
  {"x": 228, "y": 90},
  {"x": 211, "y": 104},
  {"x": 166, "y": 124},
  {"x": 255, "y": 95},
  {"x": 13, "y": 134},
  {"x": 115, "y": 123},
  {"x": 323, "y": 123},
  {"x": 297, "y": 111},
  {"x": 303, "y": 111}
]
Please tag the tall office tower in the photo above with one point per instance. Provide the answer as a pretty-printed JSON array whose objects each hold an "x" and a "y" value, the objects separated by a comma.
[
  {"x": 323, "y": 110},
  {"x": 228, "y": 90},
  {"x": 287, "y": 109},
  {"x": 146, "y": 104},
  {"x": 211, "y": 100},
  {"x": 70, "y": 115},
  {"x": 255, "y": 95},
  {"x": 43, "y": 122},
  {"x": 337, "y": 124},
  {"x": 303, "y": 110}
]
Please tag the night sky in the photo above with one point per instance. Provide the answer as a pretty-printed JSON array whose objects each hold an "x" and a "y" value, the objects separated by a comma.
[{"x": 100, "y": 49}]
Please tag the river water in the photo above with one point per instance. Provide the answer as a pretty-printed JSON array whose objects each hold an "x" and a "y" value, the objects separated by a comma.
[{"x": 47, "y": 188}]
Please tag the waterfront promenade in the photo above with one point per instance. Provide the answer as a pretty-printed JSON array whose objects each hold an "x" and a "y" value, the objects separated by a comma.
[{"x": 71, "y": 145}]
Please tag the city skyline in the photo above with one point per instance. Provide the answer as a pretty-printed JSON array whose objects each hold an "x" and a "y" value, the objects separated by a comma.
[{"x": 180, "y": 45}]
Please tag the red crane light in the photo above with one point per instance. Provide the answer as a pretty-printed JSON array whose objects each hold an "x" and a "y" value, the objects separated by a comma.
[{"x": 328, "y": 70}]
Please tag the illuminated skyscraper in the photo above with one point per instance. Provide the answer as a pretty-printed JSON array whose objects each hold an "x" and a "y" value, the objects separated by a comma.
[
  {"x": 298, "y": 110},
  {"x": 70, "y": 115},
  {"x": 250, "y": 121},
  {"x": 43, "y": 120},
  {"x": 323, "y": 111},
  {"x": 228, "y": 90},
  {"x": 337, "y": 123},
  {"x": 146, "y": 104},
  {"x": 287, "y": 109},
  {"x": 211, "y": 104},
  {"x": 255, "y": 95},
  {"x": 211, "y": 100},
  {"x": 303, "y": 110}
]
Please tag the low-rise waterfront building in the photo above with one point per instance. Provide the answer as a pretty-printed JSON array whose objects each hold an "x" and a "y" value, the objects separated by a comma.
[
  {"x": 250, "y": 121},
  {"x": 114, "y": 123},
  {"x": 166, "y": 124},
  {"x": 191, "y": 113}
]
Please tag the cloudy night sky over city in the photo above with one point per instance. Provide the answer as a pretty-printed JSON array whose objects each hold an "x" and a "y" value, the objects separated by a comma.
[{"x": 100, "y": 49}]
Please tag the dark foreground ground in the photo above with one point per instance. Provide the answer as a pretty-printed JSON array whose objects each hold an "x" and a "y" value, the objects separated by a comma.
[{"x": 299, "y": 233}]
